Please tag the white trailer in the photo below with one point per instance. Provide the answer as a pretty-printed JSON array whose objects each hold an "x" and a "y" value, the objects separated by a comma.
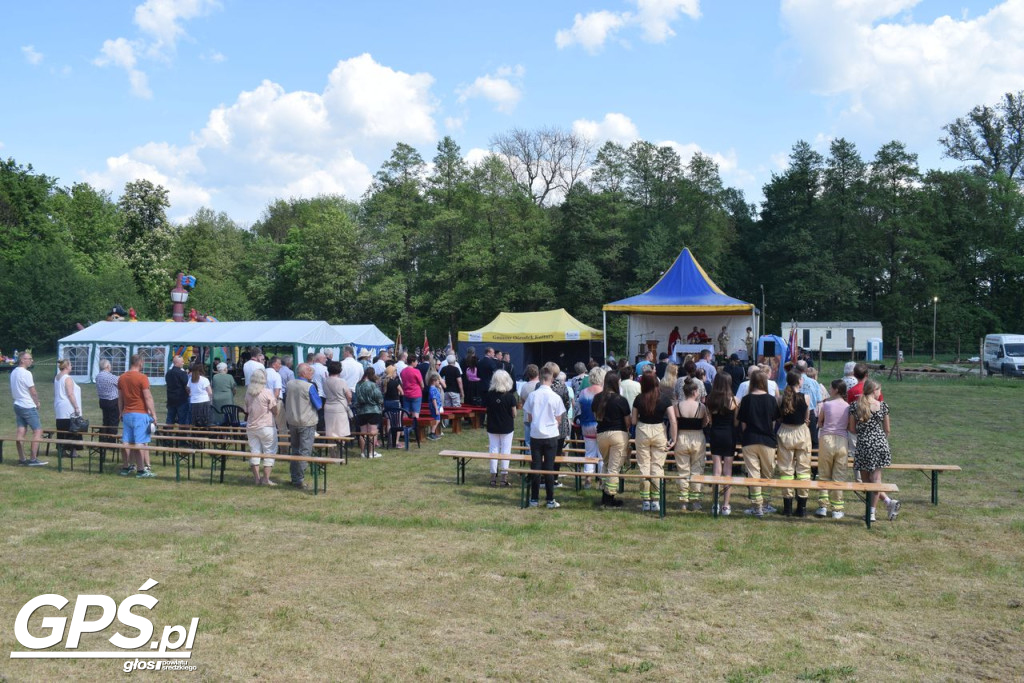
[{"x": 834, "y": 337}]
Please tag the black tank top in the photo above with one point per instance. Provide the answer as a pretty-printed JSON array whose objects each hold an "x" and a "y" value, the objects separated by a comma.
[{"x": 691, "y": 424}]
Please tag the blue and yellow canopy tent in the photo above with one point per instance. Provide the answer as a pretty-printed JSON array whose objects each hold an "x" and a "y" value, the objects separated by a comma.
[{"x": 684, "y": 296}]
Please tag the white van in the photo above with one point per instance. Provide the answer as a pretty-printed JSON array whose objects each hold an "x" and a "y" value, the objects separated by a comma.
[{"x": 1004, "y": 353}]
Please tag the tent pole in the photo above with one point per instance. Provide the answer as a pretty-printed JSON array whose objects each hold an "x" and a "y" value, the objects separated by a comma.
[{"x": 604, "y": 333}]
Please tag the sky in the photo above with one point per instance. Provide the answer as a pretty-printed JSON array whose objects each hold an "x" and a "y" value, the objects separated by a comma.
[{"x": 231, "y": 105}]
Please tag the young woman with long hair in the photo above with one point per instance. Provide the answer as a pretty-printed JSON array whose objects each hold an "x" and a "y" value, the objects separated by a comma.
[
  {"x": 794, "y": 453},
  {"x": 652, "y": 444},
  {"x": 200, "y": 395},
  {"x": 722, "y": 406},
  {"x": 833, "y": 447},
  {"x": 691, "y": 418},
  {"x": 501, "y": 402},
  {"x": 757, "y": 415},
  {"x": 613, "y": 420},
  {"x": 869, "y": 418},
  {"x": 588, "y": 421}
]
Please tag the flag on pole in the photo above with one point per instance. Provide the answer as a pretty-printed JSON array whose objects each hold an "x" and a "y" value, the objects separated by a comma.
[
  {"x": 398, "y": 342},
  {"x": 426, "y": 344}
]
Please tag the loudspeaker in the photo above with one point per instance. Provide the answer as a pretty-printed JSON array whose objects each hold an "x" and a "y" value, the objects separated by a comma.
[{"x": 769, "y": 347}]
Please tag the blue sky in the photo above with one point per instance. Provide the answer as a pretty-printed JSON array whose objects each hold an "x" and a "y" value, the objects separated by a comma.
[{"x": 232, "y": 104}]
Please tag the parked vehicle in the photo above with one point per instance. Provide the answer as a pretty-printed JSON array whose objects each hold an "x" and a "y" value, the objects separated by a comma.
[{"x": 1004, "y": 353}]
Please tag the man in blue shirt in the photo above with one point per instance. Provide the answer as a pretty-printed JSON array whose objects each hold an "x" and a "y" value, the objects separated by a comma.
[{"x": 705, "y": 364}]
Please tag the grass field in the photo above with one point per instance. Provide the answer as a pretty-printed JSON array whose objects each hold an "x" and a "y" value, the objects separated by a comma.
[{"x": 399, "y": 574}]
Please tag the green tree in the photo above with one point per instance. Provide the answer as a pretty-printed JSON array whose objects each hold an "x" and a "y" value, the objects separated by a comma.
[
  {"x": 143, "y": 241},
  {"x": 991, "y": 137}
]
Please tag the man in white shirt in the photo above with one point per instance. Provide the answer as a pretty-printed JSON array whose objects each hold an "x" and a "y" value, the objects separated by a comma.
[
  {"x": 773, "y": 387},
  {"x": 26, "y": 409},
  {"x": 255, "y": 361},
  {"x": 319, "y": 372},
  {"x": 381, "y": 363},
  {"x": 274, "y": 377},
  {"x": 705, "y": 364},
  {"x": 401, "y": 364},
  {"x": 351, "y": 369},
  {"x": 629, "y": 388},
  {"x": 544, "y": 410}
]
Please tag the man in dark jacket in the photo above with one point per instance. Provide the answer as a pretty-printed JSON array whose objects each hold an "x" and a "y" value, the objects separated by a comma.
[{"x": 177, "y": 393}]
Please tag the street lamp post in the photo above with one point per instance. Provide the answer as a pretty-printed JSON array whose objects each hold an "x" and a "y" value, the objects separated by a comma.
[{"x": 935, "y": 317}]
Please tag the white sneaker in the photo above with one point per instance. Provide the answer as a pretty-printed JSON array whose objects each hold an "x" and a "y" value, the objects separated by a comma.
[
  {"x": 892, "y": 506},
  {"x": 534, "y": 503},
  {"x": 768, "y": 509},
  {"x": 377, "y": 455},
  {"x": 726, "y": 510},
  {"x": 646, "y": 506},
  {"x": 872, "y": 517},
  {"x": 655, "y": 506},
  {"x": 553, "y": 504},
  {"x": 821, "y": 512},
  {"x": 838, "y": 514}
]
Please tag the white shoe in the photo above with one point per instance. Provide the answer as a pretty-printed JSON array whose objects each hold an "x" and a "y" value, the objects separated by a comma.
[
  {"x": 655, "y": 506},
  {"x": 646, "y": 506},
  {"x": 553, "y": 504},
  {"x": 821, "y": 512},
  {"x": 726, "y": 510},
  {"x": 892, "y": 506},
  {"x": 768, "y": 509},
  {"x": 377, "y": 455},
  {"x": 872, "y": 517},
  {"x": 838, "y": 514}
]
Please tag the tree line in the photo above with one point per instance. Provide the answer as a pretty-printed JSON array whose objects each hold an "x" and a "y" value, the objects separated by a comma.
[{"x": 547, "y": 221}]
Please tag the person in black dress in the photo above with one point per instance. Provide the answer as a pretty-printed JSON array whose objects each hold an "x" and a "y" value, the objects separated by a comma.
[{"x": 722, "y": 405}]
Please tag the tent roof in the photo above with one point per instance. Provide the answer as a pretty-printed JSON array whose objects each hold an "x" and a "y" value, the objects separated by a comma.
[
  {"x": 538, "y": 326},
  {"x": 684, "y": 288},
  {"x": 363, "y": 335},
  {"x": 257, "y": 332}
]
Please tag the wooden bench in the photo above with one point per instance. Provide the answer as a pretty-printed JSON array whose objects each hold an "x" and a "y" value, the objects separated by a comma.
[
  {"x": 716, "y": 482},
  {"x": 463, "y": 457},
  {"x": 185, "y": 455},
  {"x": 318, "y": 465},
  {"x": 236, "y": 433}
]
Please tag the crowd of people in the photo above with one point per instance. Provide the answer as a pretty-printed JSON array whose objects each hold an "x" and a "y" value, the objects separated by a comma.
[
  {"x": 664, "y": 407},
  {"x": 691, "y": 408}
]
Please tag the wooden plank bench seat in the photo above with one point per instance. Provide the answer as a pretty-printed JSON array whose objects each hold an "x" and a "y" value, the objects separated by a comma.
[
  {"x": 463, "y": 457},
  {"x": 181, "y": 455},
  {"x": 716, "y": 482}
]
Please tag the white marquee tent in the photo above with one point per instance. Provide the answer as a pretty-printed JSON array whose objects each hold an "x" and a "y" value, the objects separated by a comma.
[{"x": 155, "y": 341}]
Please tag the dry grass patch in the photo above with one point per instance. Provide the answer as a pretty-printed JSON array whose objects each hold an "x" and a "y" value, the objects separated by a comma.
[{"x": 399, "y": 574}]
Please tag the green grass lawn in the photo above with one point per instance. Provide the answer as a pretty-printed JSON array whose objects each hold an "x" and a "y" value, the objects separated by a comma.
[{"x": 399, "y": 574}]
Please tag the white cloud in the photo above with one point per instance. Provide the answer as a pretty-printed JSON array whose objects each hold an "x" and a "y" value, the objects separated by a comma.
[
  {"x": 614, "y": 127},
  {"x": 475, "y": 155},
  {"x": 885, "y": 65},
  {"x": 160, "y": 25},
  {"x": 161, "y": 21},
  {"x": 654, "y": 18},
  {"x": 591, "y": 30},
  {"x": 31, "y": 56},
  {"x": 122, "y": 53},
  {"x": 497, "y": 88},
  {"x": 274, "y": 143}
]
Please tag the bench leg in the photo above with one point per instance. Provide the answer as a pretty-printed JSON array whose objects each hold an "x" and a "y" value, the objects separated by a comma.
[
  {"x": 316, "y": 479},
  {"x": 935, "y": 487},
  {"x": 714, "y": 501},
  {"x": 867, "y": 509},
  {"x": 177, "y": 466},
  {"x": 661, "y": 498},
  {"x": 523, "y": 499}
]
